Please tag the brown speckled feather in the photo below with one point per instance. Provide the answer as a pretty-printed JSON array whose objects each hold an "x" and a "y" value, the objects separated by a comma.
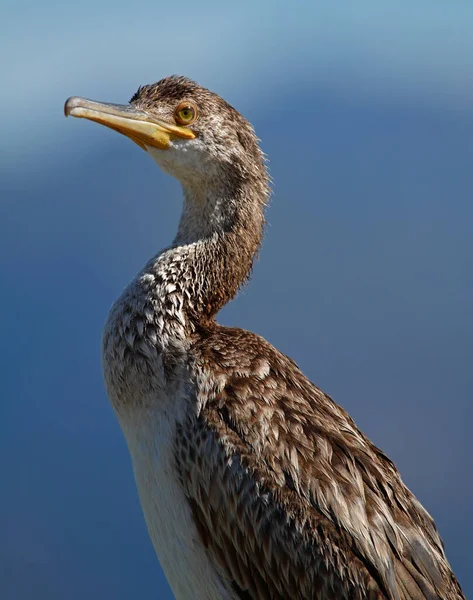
[
  {"x": 290, "y": 498},
  {"x": 254, "y": 484}
]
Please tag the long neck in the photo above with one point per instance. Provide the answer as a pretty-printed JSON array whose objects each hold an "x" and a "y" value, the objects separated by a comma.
[
  {"x": 181, "y": 289},
  {"x": 211, "y": 257}
]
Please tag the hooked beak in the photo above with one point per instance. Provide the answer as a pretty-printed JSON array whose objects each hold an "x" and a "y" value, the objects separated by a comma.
[{"x": 141, "y": 127}]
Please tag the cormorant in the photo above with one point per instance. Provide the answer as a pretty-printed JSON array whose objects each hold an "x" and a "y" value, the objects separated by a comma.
[{"x": 254, "y": 484}]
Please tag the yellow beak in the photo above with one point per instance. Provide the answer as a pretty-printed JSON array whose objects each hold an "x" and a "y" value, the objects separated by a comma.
[{"x": 139, "y": 126}]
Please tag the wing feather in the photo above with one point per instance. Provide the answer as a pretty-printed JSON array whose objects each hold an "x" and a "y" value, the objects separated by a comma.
[{"x": 291, "y": 500}]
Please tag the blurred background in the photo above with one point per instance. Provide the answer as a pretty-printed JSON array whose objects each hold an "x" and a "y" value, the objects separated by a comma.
[{"x": 365, "y": 278}]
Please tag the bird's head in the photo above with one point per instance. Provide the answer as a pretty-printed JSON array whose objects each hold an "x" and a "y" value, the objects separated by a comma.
[
  {"x": 191, "y": 133},
  {"x": 213, "y": 151}
]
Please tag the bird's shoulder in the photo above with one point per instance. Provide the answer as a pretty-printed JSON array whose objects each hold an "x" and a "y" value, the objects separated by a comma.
[{"x": 277, "y": 471}]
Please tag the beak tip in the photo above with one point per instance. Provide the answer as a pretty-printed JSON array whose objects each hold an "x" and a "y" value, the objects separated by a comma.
[
  {"x": 70, "y": 104},
  {"x": 67, "y": 107}
]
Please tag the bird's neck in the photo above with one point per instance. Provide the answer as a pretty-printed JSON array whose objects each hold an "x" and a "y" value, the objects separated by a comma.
[
  {"x": 180, "y": 290},
  {"x": 211, "y": 257}
]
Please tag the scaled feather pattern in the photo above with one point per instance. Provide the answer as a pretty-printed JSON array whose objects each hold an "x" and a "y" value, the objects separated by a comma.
[{"x": 254, "y": 484}]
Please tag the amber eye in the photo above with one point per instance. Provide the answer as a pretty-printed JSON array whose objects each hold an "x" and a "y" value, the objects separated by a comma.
[{"x": 186, "y": 113}]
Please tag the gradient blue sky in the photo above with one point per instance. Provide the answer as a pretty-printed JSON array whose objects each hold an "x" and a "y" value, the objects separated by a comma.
[{"x": 365, "y": 278}]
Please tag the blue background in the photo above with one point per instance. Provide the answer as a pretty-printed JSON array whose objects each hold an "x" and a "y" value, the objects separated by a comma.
[{"x": 365, "y": 277}]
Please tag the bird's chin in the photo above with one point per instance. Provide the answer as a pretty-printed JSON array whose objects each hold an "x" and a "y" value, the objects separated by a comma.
[
  {"x": 165, "y": 159},
  {"x": 168, "y": 162},
  {"x": 182, "y": 160}
]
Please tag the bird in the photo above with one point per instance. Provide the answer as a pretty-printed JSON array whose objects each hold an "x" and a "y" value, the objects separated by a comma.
[{"x": 254, "y": 484}]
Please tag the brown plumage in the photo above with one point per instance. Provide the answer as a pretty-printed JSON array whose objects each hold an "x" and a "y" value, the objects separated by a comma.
[{"x": 255, "y": 485}]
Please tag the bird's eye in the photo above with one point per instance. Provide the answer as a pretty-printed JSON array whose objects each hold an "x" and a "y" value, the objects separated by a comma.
[{"x": 186, "y": 113}]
